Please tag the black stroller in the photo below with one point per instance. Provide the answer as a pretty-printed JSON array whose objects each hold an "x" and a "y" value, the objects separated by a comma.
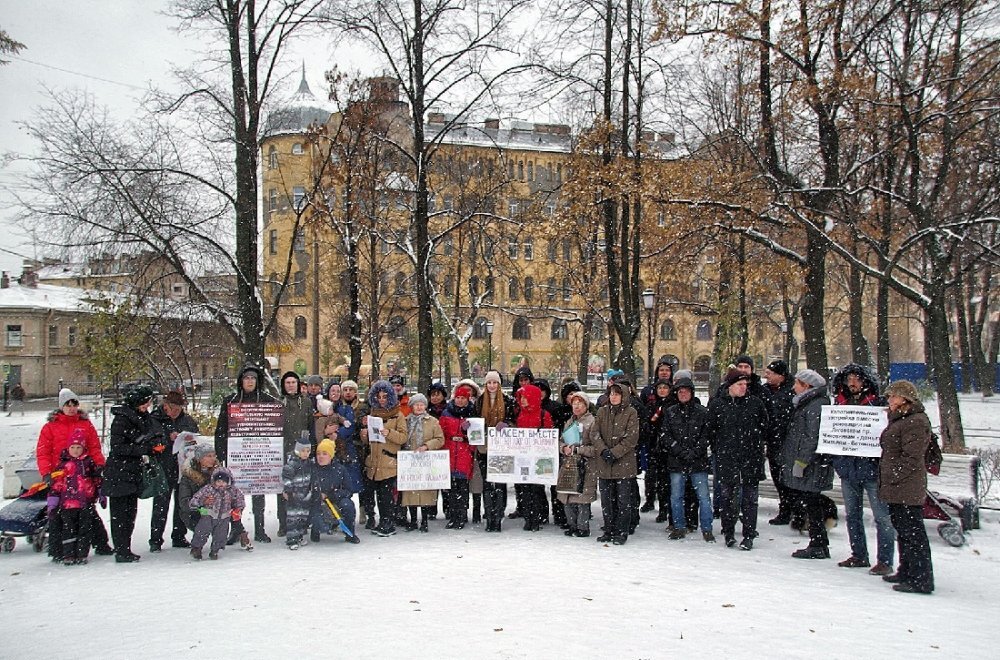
[{"x": 25, "y": 516}]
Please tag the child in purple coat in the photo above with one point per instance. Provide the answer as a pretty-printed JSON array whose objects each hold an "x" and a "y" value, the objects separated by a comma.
[{"x": 215, "y": 505}]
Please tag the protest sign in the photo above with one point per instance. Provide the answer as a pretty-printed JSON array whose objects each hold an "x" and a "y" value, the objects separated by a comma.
[
  {"x": 376, "y": 429},
  {"x": 256, "y": 438},
  {"x": 851, "y": 430},
  {"x": 477, "y": 431},
  {"x": 523, "y": 456},
  {"x": 422, "y": 470}
]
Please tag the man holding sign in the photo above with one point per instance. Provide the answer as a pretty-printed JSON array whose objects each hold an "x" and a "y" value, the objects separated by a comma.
[{"x": 855, "y": 385}]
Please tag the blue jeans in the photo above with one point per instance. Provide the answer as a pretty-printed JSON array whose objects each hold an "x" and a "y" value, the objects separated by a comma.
[
  {"x": 854, "y": 492},
  {"x": 700, "y": 482}
]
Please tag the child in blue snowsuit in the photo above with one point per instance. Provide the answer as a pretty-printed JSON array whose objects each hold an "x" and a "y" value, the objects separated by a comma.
[{"x": 331, "y": 480}]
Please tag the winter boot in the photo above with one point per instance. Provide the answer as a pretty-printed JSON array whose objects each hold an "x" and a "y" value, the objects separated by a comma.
[
  {"x": 245, "y": 542},
  {"x": 196, "y": 553},
  {"x": 214, "y": 554},
  {"x": 477, "y": 506},
  {"x": 314, "y": 535},
  {"x": 259, "y": 534}
]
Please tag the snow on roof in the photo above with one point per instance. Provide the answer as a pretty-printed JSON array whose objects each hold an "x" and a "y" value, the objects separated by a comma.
[
  {"x": 62, "y": 271},
  {"x": 501, "y": 138},
  {"x": 49, "y": 297}
]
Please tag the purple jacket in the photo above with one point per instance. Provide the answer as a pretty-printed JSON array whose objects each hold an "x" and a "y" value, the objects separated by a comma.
[{"x": 226, "y": 499}]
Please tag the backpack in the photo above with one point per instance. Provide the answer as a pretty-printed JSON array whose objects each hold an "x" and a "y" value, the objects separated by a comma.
[{"x": 933, "y": 456}]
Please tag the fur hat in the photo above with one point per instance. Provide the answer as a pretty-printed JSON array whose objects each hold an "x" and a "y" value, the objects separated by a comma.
[
  {"x": 779, "y": 367},
  {"x": 905, "y": 389},
  {"x": 417, "y": 398},
  {"x": 202, "y": 450},
  {"x": 810, "y": 378},
  {"x": 471, "y": 384},
  {"x": 326, "y": 447},
  {"x": 438, "y": 387},
  {"x": 733, "y": 376},
  {"x": 66, "y": 394}
]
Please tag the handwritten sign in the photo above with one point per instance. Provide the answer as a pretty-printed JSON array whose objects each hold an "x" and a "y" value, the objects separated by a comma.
[
  {"x": 422, "y": 470},
  {"x": 851, "y": 430},
  {"x": 523, "y": 456}
]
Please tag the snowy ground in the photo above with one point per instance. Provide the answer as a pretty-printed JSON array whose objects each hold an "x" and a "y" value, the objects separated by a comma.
[{"x": 451, "y": 594}]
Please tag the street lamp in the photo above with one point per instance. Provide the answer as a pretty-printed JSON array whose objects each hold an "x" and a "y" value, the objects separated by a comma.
[
  {"x": 489, "y": 339},
  {"x": 648, "y": 301}
]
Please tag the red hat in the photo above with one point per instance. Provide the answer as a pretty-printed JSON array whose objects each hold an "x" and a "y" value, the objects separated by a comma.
[{"x": 463, "y": 390}]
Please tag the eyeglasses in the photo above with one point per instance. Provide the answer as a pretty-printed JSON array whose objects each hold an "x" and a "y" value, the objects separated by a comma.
[{"x": 72, "y": 402}]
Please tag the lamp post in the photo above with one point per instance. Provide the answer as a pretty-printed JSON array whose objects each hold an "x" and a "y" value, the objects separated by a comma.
[
  {"x": 489, "y": 344},
  {"x": 648, "y": 301}
]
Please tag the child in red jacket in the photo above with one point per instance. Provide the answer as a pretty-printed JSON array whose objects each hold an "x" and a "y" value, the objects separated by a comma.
[{"x": 74, "y": 492}]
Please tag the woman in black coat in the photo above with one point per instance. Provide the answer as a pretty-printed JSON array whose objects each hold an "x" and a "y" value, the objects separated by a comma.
[{"x": 135, "y": 436}]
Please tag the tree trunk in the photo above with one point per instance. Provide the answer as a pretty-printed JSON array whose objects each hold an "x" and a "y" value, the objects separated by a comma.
[
  {"x": 813, "y": 312},
  {"x": 989, "y": 383},
  {"x": 952, "y": 436},
  {"x": 963, "y": 337},
  {"x": 882, "y": 328},
  {"x": 860, "y": 352},
  {"x": 978, "y": 317},
  {"x": 583, "y": 360}
]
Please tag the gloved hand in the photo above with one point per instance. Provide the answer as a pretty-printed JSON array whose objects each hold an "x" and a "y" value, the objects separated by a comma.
[
  {"x": 608, "y": 456},
  {"x": 195, "y": 517},
  {"x": 48, "y": 480},
  {"x": 465, "y": 425},
  {"x": 799, "y": 469},
  {"x": 51, "y": 504},
  {"x": 158, "y": 448},
  {"x": 236, "y": 514},
  {"x": 204, "y": 510},
  {"x": 103, "y": 501},
  {"x": 500, "y": 426}
]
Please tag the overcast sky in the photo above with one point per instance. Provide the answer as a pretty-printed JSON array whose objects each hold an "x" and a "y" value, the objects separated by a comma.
[{"x": 114, "y": 49}]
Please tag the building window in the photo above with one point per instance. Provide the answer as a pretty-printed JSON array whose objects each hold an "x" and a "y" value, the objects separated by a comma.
[
  {"x": 520, "y": 170},
  {"x": 299, "y": 284},
  {"x": 299, "y": 243},
  {"x": 298, "y": 198},
  {"x": 703, "y": 331},
  {"x": 510, "y": 169},
  {"x": 559, "y": 329},
  {"x": 71, "y": 336},
  {"x": 529, "y": 249},
  {"x": 397, "y": 328},
  {"x": 512, "y": 289},
  {"x": 559, "y": 173},
  {"x": 550, "y": 208},
  {"x": 297, "y": 148},
  {"x": 53, "y": 335},
  {"x": 272, "y": 158},
  {"x": 449, "y": 284},
  {"x": 661, "y": 219},
  {"x": 529, "y": 288},
  {"x": 513, "y": 247},
  {"x": 667, "y": 330},
  {"x": 272, "y": 200},
  {"x": 522, "y": 329},
  {"x": 567, "y": 291},
  {"x": 177, "y": 289},
  {"x": 490, "y": 287},
  {"x": 597, "y": 331},
  {"x": 531, "y": 171},
  {"x": 300, "y": 327},
  {"x": 567, "y": 250},
  {"x": 550, "y": 251},
  {"x": 449, "y": 246},
  {"x": 513, "y": 206},
  {"x": 474, "y": 286},
  {"x": 551, "y": 286},
  {"x": 272, "y": 241},
  {"x": 14, "y": 337},
  {"x": 479, "y": 328}
]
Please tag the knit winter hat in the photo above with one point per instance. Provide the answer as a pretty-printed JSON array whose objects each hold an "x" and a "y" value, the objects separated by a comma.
[
  {"x": 779, "y": 367},
  {"x": 326, "y": 447},
  {"x": 905, "y": 389},
  {"x": 577, "y": 395},
  {"x": 745, "y": 359},
  {"x": 349, "y": 384},
  {"x": 493, "y": 376},
  {"x": 733, "y": 376},
  {"x": 463, "y": 390},
  {"x": 222, "y": 475},
  {"x": 202, "y": 450},
  {"x": 314, "y": 380},
  {"x": 137, "y": 396},
  {"x": 303, "y": 445},
  {"x": 417, "y": 398},
  {"x": 810, "y": 378},
  {"x": 66, "y": 394},
  {"x": 78, "y": 438},
  {"x": 684, "y": 383},
  {"x": 683, "y": 373}
]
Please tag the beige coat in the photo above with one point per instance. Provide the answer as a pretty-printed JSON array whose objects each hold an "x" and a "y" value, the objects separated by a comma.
[
  {"x": 433, "y": 439},
  {"x": 587, "y": 451},
  {"x": 381, "y": 462}
]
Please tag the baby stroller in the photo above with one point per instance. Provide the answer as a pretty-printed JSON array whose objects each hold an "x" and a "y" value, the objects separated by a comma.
[
  {"x": 25, "y": 516},
  {"x": 937, "y": 507}
]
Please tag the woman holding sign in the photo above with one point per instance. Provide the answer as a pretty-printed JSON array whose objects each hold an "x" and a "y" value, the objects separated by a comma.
[
  {"x": 455, "y": 424},
  {"x": 379, "y": 429},
  {"x": 422, "y": 432},
  {"x": 498, "y": 410},
  {"x": 577, "y": 486}
]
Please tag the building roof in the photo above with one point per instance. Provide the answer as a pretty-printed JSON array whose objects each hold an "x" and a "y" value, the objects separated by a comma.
[
  {"x": 300, "y": 111},
  {"x": 49, "y": 297}
]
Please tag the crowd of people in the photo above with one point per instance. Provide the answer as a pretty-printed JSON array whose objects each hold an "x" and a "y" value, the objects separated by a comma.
[{"x": 332, "y": 457}]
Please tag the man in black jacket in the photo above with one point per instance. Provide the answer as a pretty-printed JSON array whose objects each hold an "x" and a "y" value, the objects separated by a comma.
[
  {"x": 248, "y": 390},
  {"x": 171, "y": 416},
  {"x": 778, "y": 395},
  {"x": 684, "y": 441}
]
